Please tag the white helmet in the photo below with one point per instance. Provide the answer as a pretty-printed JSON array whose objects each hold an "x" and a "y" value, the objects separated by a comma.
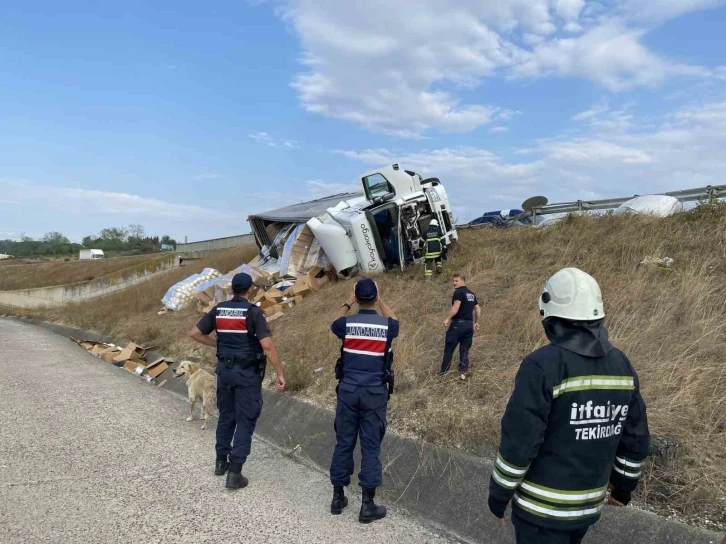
[
  {"x": 434, "y": 222},
  {"x": 572, "y": 294}
]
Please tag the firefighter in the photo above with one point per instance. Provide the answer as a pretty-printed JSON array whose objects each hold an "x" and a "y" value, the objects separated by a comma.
[
  {"x": 365, "y": 383},
  {"x": 244, "y": 345},
  {"x": 575, "y": 427},
  {"x": 434, "y": 248}
]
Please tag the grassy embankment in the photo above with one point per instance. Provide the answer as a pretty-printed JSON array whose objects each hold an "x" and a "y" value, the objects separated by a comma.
[
  {"x": 671, "y": 323},
  {"x": 46, "y": 273}
]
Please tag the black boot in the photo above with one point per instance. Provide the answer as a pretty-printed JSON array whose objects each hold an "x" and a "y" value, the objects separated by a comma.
[
  {"x": 235, "y": 480},
  {"x": 340, "y": 501},
  {"x": 221, "y": 466},
  {"x": 369, "y": 510}
]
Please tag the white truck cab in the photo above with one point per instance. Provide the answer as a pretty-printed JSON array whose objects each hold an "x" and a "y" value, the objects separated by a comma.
[{"x": 382, "y": 230}]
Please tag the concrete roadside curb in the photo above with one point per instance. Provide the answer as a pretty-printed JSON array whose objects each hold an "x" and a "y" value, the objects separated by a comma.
[{"x": 444, "y": 486}]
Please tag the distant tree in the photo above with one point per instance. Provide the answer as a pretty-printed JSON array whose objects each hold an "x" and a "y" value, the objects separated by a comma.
[
  {"x": 24, "y": 238},
  {"x": 168, "y": 240},
  {"x": 114, "y": 234},
  {"x": 136, "y": 231},
  {"x": 55, "y": 238}
]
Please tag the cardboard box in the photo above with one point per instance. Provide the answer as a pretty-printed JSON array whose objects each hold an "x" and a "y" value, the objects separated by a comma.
[
  {"x": 98, "y": 349},
  {"x": 274, "y": 309},
  {"x": 157, "y": 367},
  {"x": 109, "y": 356},
  {"x": 302, "y": 289},
  {"x": 129, "y": 352},
  {"x": 298, "y": 299},
  {"x": 274, "y": 295},
  {"x": 272, "y": 318},
  {"x": 133, "y": 364},
  {"x": 267, "y": 303}
]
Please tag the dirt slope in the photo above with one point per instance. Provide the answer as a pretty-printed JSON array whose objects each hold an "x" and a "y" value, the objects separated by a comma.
[{"x": 44, "y": 274}]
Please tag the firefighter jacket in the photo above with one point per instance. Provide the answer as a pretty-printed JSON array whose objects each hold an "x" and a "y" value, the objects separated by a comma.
[
  {"x": 574, "y": 423},
  {"x": 434, "y": 243}
]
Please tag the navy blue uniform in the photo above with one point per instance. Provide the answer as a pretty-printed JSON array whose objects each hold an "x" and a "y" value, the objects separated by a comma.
[
  {"x": 461, "y": 330},
  {"x": 362, "y": 396},
  {"x": 574, "y": 423},
  {"x": 240, "y": 326}
]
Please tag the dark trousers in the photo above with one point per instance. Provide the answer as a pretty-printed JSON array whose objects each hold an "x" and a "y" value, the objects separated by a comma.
[
  {"x": 361, "y": 411},
  {"x": 460, "y": 333},
  {"x": 529, "y": 533},
  {"x": 429, "y": 266},
  {"x": 239, "y": 400}
]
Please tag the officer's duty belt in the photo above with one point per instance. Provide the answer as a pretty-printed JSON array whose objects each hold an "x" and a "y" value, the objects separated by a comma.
[{"x": 244, "y": 362}]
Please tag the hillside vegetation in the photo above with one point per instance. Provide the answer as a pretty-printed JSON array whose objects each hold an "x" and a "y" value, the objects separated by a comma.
[
  {"x": 43, "y": 274},
  {"x": 670, "y": 322}
]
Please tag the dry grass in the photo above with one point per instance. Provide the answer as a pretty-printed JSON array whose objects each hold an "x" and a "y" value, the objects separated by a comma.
[
  {"x": 671, "y": 323},
  {"x": 131, "y": 314},
  {"x": 44, "y": 274}
]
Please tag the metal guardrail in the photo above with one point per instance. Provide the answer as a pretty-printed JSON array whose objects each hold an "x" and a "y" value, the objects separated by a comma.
[
  {"x": 709, "y": 193},
  {"x": 216, "y": 243}
]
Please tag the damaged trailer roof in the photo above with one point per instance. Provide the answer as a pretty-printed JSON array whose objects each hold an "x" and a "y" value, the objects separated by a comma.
[{"x": 302, "y": 212}]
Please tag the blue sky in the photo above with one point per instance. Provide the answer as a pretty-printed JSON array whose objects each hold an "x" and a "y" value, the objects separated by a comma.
[{"x": 187, "y": 117}]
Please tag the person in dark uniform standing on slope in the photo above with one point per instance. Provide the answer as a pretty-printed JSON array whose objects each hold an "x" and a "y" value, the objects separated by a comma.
[
  {"x": 244, "y": 345},
  {"x": 434, "y": 249},
  {"x": 575, "y": 426},
  {"x": 462, "y": 321},
  {"x": 365, "y": 383}
]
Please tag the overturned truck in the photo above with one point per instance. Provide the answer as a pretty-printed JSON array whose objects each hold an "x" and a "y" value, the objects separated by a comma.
[{"x": 372, "y": 231}]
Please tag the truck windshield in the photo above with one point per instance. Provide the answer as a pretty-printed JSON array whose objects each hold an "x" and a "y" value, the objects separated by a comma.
[{"x": 376, "y": 186}]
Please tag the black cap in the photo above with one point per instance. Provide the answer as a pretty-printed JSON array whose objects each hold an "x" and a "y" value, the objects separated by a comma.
[
  {"x": 241, "y": 282},
  {"x": 366, "y": 290}
]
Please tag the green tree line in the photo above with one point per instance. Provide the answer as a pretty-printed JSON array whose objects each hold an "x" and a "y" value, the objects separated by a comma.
[{"x": 131, "y": 239}]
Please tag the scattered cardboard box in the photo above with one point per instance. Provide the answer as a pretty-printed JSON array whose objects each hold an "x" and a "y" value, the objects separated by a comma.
[
  {"x": 272, "y": 310},
  {"x": 129, "y": 352},
  {"x": 272, "y": 318},
  {"x": 274, "y": 295},
  {"x": 98, "y": 349},
  {"x": 110, "y": 356},
  {"x": 132, "y": 364},
  {"x": 157, "y": 367}
]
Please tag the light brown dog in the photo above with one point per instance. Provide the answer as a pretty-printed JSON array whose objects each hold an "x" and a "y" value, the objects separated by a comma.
[{"x": 201, "y": 385}]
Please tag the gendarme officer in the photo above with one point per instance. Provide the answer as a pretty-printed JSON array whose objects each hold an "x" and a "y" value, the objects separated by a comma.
[
  {"x": 366, "y": 381},
  {"x": 244, "y": 345}
]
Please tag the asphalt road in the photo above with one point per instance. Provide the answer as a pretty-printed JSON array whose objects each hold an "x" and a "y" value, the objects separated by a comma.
[{"x": 91, "y": 454}]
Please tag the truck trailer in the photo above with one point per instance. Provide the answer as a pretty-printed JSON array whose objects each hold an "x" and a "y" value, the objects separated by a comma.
[
  {"x": 90, "y": 254},
  {"x": 373, "y": 231}
]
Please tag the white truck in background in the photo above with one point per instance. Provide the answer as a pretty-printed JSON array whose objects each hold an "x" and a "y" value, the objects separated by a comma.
[
  {"x": 90, "y": 254},
  {"x": 372, "y": 232}
]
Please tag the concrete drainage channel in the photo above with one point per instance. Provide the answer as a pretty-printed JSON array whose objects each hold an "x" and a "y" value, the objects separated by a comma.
[{"x": 443, "y": 486}]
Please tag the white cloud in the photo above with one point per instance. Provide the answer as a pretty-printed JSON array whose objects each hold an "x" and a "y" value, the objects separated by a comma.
[
  {"x": 397, "y": 66},
  {"x": 681, "y": 150},
  {"x": 27, "y": 207},
  {"x": 499, "y": 129},
  {"x": 204, "y": 177},
  {"x": 321, "y": 189},
  {"x": 265, "y": 139},
  {"x": 594, "y": 111}
]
